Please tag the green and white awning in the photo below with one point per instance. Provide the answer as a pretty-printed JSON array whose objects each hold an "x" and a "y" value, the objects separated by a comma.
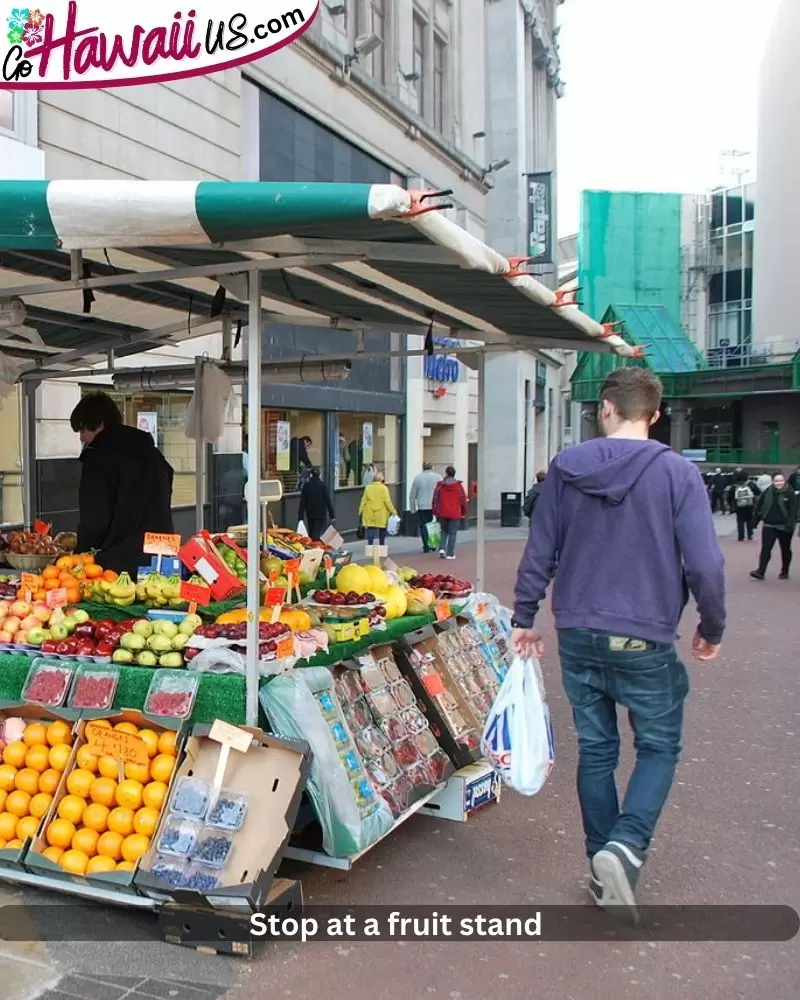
[{"x": 356, "y": 257}]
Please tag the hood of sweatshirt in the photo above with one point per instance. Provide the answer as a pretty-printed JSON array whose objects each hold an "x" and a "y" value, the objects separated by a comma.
[
  {"x": 611, "y": 468},
  {"x": 125, "y": 440}
]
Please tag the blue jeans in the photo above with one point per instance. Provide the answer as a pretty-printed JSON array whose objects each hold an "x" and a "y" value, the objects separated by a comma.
[
  {"x": 449, "y": 527},
  {"x": 652, "y": 685},
  {"x": 373, "y": 533}
]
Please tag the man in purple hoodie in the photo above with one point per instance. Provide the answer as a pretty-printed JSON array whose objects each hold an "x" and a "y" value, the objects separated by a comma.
[{"x": 626, "y": 521}]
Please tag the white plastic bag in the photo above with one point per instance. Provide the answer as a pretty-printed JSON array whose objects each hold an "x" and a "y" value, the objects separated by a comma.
[
  {"x": 393, "y": 526},
  {"x": 517, "y": 740},
  {"x": 217, "y": 390},
  {"x": 301, "y": 529}
]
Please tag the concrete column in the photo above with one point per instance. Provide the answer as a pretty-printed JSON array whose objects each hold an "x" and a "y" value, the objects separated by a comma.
[
  {"x": 680, "y": 426},
  {"x": 415, "y": 408}
]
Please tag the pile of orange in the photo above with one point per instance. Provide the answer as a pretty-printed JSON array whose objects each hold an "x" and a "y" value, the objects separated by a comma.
[
  {"x": 29, "y": 775},
  {"x": 72, "y": 573},
  {"x": 106, "y": 824}
]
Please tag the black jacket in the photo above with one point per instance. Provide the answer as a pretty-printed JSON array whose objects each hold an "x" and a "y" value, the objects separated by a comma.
[
  {"x": 530, "y": 500},
  {"x": 786, "y": 506},
  {"x": 125, "y": 491},
  {"x": 315, "y": 501}
]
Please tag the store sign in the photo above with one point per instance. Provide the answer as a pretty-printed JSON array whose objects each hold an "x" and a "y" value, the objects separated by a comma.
[
  {"x": 283, "y": 445},
  {"x": 442, "y": 368},
  {"x": 540, "y": 218},
  {"x": 71, "y": 45}
]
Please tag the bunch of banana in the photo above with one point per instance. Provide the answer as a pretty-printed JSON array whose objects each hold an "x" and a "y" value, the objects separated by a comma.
[{"x": 122, "y": 592}]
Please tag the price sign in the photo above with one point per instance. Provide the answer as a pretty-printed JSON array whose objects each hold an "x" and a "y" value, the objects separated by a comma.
[
  {"x": 443, "y": 611},
  {"x": 274, "y": 595},
  {"x": 29, "y": 581},
  {"x": 57, "y": 598},
  {"x": 157, "y": 544},
  {"x": 273, "y": 575},
  {"x": 433, "y": 684},
  {"x": 124, "y": 747},
  {"x": 195, "y": 593},
  {"x": 285, "y": 647},
  {"x": 230, "y": 738}
]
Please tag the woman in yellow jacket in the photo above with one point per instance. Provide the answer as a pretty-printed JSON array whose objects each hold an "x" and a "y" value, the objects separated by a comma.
[{"x": 375, "y": 509}]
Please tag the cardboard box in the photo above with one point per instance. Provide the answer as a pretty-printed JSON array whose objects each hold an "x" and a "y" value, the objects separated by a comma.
[
  {"x": 424, "y": 640},
  {"x": 273, "y": 773},
  {"x": 468, "y": 790},
  {"x": 201, "y": 556}
]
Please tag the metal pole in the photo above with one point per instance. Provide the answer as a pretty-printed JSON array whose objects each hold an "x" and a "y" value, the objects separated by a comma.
[
  {"x": 253, "y": 489},
  {"x": 481, "y": 498},
  {"x": 199, "y": 448},
  {"x": 29, "y": 452}
]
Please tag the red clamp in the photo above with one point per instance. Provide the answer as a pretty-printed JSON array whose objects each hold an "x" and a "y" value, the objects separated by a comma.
[
  {"x": 418, "y": 199},
  {"x": 517, "y": 270},
  {"x": 566, "y": 297},
  {"x": 638, "y": 351},
  {"x": 610, "y": 330}
]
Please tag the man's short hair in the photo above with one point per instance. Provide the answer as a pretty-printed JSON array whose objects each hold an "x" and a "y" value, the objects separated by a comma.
[
  {"x": 426, "y": 466},
  {"x": 635, "y": 393},
  {"x": 95, "y": 409},
  {"x": 541, "y": 476}
]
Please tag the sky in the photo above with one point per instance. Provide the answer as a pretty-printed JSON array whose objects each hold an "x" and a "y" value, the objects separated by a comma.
[{"x": 656, "y": 90}]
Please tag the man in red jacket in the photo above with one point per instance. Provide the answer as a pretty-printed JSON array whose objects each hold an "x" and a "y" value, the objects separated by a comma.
[{"x": 449, "y": 509}]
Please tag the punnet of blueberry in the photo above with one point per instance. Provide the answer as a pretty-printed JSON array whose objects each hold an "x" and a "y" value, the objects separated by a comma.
[
  {"x": 200, "y": 881},
  {"x": 168, "y": 871},
  {"x": 212, "y": 848},
  {"x": 178, "y": 836},
  {"x": 228, "y": 811}
]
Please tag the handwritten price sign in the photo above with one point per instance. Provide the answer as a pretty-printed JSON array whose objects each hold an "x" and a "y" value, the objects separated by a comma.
[
  {"x": 156, "y": 544},
  {"x": 443, "y": 611},
  {"x": 57, "y": 598},
  {"x": 124, "y": 747}
]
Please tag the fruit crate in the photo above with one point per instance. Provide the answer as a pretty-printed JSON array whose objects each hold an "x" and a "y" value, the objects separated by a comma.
[{"x": 201, "y": 556}]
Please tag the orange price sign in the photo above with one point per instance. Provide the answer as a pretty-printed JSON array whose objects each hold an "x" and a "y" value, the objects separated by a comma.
[
  {"x": 114, "y": 743},
  {"x": 274, "y": 595},
  {"x": 443, "y": 611},
  {"x": 157, "y": 544},
  {"x": 29, "y": 581},
  {"x": 285, "y": 647},
  {"x": 57, "y": 598}
]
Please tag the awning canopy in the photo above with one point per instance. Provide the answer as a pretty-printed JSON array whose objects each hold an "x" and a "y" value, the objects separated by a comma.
[{"x": 127, "y": 266}]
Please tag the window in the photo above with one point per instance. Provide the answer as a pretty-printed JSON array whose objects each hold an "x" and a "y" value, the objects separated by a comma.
[
  {"x": 419, "y": 62},
  {"x": 439, "y": 82},
  {"x": 366, "y": 441},
  {"x": 294, "y": 442},
  {"x": 7, "y": 110},
  {"x": 10, "y": 458},
  {"x": 377, "y": 60}
]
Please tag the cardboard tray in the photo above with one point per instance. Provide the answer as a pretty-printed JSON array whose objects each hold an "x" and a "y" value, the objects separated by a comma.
[
  {"x": 274, "y": 773},
  {"x": 458, "y": 753}
]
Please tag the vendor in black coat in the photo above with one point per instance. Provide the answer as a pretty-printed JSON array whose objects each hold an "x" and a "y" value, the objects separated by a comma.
[
  {"x": 315, "y": 505},
  {"x": 126, "y": 485}
]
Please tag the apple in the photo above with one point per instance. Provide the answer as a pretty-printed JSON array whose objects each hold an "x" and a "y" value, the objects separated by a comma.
[
  {"x": 42, "y": 612},
  {"x": 4, "y": 609},
  {"x": 85, "y": 630},
  {"x": 85, "y": 647},
  {"x": 20, "y": 609},
  {"x": 21, "y": 638},
  {"x": 127, "y": 625},
  {"x": 37, "y": 636},
  {"x": 104, "y": 647},
  {"x": 30, "y": 622},
  {"x": 59, "y": 631},
  {"x": 11, "y": 625},
  {"x": 71, "y": 622},
  {"x": 6, "y": 638},
  {"x": 78, "y": 614},
  {"x": 49, "y": 646}
]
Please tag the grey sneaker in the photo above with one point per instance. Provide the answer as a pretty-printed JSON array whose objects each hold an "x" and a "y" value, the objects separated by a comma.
[
  {"x": 615, "y": 871},
  {"x": 449, "y": 557}
]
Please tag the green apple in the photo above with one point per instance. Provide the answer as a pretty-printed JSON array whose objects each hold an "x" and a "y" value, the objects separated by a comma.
[
  {"x": 70, "y": 622},
  {"x": 133, "y": 641},
  {"x": 180, "y": 640},
  {"x": 58, "y": 631},
  {"x": 146, "y": 658},
  {"x": 173, "y": 660},
  {"x": 36, "y": 636},
  {"x": 122, "y": 656},
  {"x": 159, "y": 643},
  {"x": 79, "y": 615},
  {"x": 143, "y": 628}
]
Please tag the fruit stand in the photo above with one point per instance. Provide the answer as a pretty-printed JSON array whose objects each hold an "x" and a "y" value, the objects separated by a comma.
[{"x": 376, "y": 707}]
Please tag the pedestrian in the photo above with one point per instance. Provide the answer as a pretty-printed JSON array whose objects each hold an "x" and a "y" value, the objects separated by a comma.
[
  {"x": 315, "y": 505},
  {"x": 375, "y": 509},
  {"x": 533, "y": 495},
  {"x": 368, "y": 474},
  {"x": 628, "y": 521},
  {"x": 764, "y": 482},
  {"x": 449, "y": 508},
  {"x": 777, "y": 508},
  {"x": 420, "y": 500},
  {"x": 125, "y": 489},
  {"x": 743, "y": 501},
  {"x": 718, "y": 492},
  {"x": 794, "y": 480}
]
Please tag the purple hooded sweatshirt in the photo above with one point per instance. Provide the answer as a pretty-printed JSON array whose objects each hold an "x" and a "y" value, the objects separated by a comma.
[{"x": 630, "y": 528}]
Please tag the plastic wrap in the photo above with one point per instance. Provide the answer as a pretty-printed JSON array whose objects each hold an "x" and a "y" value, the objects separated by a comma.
[{"x": 303, "y": 705}]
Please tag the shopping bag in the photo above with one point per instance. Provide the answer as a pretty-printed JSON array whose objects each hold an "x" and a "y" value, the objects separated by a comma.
[
  {"x": 393, "y": 527},
  {"x": 517, "y": 740},
  {"x": 434, "y": 534},
  {"x": 301, "y": 528}
]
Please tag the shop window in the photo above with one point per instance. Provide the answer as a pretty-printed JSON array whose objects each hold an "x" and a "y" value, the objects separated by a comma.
[
  {"x": 294, "y": 442},
  {"x": 419, "y": 62},
  {"x": 10, "y": 459},
  {"x": 439, "y": 82},
  {"x": 366, "y": 442},
  {"x": 376, "y": 61}
]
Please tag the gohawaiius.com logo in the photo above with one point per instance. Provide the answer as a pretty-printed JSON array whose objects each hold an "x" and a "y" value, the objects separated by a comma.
[{"x": 92, "y": 43}]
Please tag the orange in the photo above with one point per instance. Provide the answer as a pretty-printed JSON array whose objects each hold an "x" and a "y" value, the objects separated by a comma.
[
  {"x": 71, "y": 807},
  {"x": 154, "y": 794},
  {"x": 129, "y": 794},
  {"x": 8, "y": 825},
  {"x": 50, "y": 573},
  {"x": 74, "y": 862},
  {"x": 27, "y": 827},
  {"x": 52, "y": 583},
  {"x": 3, "y": 797},
  {"x": 167, "y": 742},
  {"x": 18, "y": 803},
  {"x": 161, "y": 767},
  {"x": 38, "y": 758},
  {"x": 110, "y": 845},
  {"x": 96, "y": 817},
  {"x": 60, "y": 833},
  {"x": 35, "y": 734},
  {"x": 127, "y": 727},
  {"x": 120, "y": 820},
  {"x": 27, "y": 780},
  {"x": 58, "y": 732},
  {"x": 73, "y": 593},
  {"x": 39, "y": 804},
  {"x": 93, "y": 572},
  {"x": 53, "y": 853},
  {"x": 108, "y": 767},
  {"x": 59, "y": 756},
  {"x": 14, "y": 754},
  {"x": 7, "y": 776},
  {"x": 2, "y": 843},
  {"x": 135, "y": 847},
  {"x": 86, "y": 760},
  {"x": 79, "y": 783},
  {"x": 86, "y": 841},
  {"x": 103, "y": 723},
  {"x": 138, "y": 772},
  {"x": 99, "y": 864},
  {"x": 102, "y": 791},
  {"x": 145, "y": 821},
  {"x": 14, "y": 845},
  {"x": 125, "y": 866},
  {"x": 65, "y": 562},
  {"x": 150, "y": 740},
  {"x": 48, "y": 782}
]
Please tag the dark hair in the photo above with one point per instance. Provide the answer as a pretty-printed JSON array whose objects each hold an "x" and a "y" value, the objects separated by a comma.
[
  {"x": 635, "y": 393},
  {"x": 450, "y": 471},
  {"x": 540, "y": 477},
  {"x": 307, "y": 439},
  {"x": 315, "y": 471},
  {"x": 93, "y": 410},
  {"x": 741, "y": 476}
]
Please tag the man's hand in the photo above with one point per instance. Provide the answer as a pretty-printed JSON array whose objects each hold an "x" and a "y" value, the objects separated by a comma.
[
  {"x": 527, "y": 643},
  {"x": 703, "y": 650}
]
